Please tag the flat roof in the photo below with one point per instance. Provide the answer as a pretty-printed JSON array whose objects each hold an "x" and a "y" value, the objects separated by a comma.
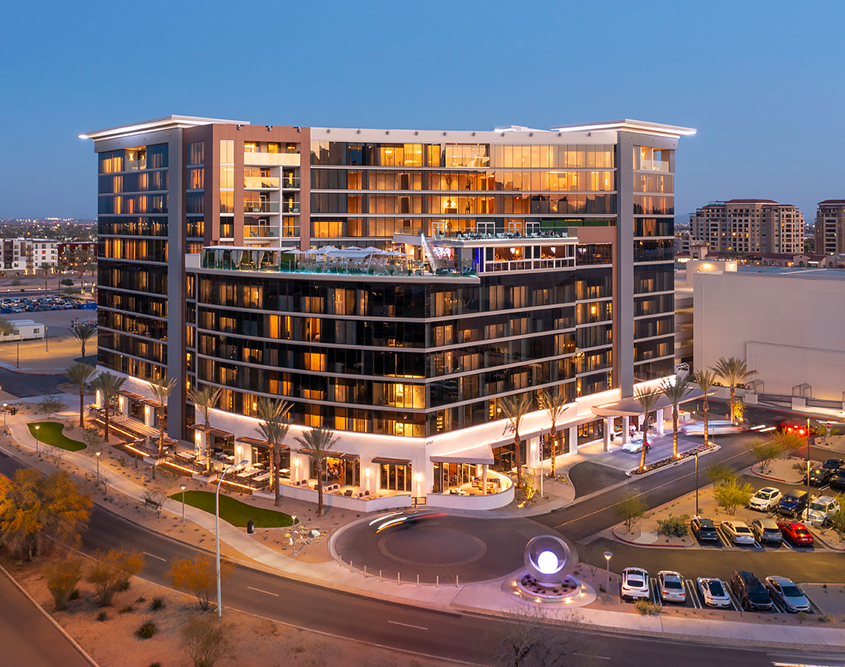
[
  {"x": 791, "y": 272},
  {"x": 628, "y": 125},
  {"x": 163, "y": 123}
]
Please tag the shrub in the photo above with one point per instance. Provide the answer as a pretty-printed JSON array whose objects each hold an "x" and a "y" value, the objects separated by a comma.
[
  {"x": 720, "y": 472},
  {"x": 157, "y": 603},
  {"x": 62, "y": 577},
  {"x": 765, "y": 452},
  {"x": 630, "y": 509},
  {"x": 112, "y": 572},
  {"x": 646, "y": 608},
  {"x": 125, "y": 609},
  {"x": 674, "y": 526},
  {"x": 825, "y": 618},
  {"x": 205, "y": 639},
  {"x": 198, "y": 576},
  {"x": 74, "y": 594},
  {"x": 733, "y": 494},
  {"x": 146, "y": 631},
  {"x": 102, "y": 616}
]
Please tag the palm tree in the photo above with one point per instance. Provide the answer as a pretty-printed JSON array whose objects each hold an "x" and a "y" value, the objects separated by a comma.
[
  {"x": 735, "y": 372},
  {"x": 705, "y": 379},
  {"x": 80, "y": 376},
  {"x": 676, "y": 392},
  {"x": 515, "y": 408},
  {"x": 317, "y": 444},
  {"x": 554, "y": 404},
  {"x": 82, "y": 332},
  {"x": 161, "y": 388},
  {"x": 108, "y": 385},
  {"x": 648, "y": 399},
  {"x": 205, "y": 399},
  {"x": 274, "y": 427}
]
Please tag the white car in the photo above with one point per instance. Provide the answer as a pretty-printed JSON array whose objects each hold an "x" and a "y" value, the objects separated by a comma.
[
  {"x": 714, "y": 592},
  {"x": 635, "y": 584},
  {"x": 765, "y": 499},
  {"x": 633, "y": 446},
  {"x": 738, "y": 532},
  {"x": 671, "y": 586},
  {"x": 788, "y": 594},
  {"x": 821, "y": 508}
]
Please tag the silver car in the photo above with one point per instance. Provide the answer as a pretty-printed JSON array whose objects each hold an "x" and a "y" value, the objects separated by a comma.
[
  {"x": 671, "y": 586},
  {"x": 766, "y": 530},
  {"x": 788, "y": 594},
  {"x": 737, "y": 532}
]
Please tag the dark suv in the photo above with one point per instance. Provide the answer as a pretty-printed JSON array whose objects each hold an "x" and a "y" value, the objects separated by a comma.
[
  {"x": 749, "y": 592},
  {"x": 793, "y": 503},
  {"x": 703, "y": 529}
]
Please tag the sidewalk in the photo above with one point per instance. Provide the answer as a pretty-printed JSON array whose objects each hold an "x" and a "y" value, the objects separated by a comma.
[{"x": 483, "y": 598}]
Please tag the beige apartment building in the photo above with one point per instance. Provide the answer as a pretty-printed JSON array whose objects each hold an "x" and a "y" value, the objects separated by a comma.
[
  {"x": 749, "y": 225},
  {"x": 830, "y": 217}
]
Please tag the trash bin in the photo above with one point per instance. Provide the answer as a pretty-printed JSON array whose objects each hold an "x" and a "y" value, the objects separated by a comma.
[
  {"x": 12, "y": 410},
  {"x": 250, "y": 527}
]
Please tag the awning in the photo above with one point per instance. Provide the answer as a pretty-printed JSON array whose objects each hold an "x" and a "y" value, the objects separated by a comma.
[
  {"x": 149, "y": 401},
  {"x": 255, "y": 442},
  {"x": 129, "y": 394},
  {"x": 477, "y": 454},
  {"x": 396, "y": 462},
  {"x": 218, "y": 433},
  {"x": 630, "y": 406},
  {"x": 345, "y": 457}
]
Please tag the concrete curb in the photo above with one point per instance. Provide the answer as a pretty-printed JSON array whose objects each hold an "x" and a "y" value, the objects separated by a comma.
[
  {"x": 825, "y": 542},
  {"x": 774, "y": 479},
  {"x": 685, "y": 459},
  {"x": 650, "y": 546},
  {"x": 52, "y": 620}
]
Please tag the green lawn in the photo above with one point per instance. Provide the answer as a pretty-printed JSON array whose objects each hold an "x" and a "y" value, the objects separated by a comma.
[
  {"x": 234, "y": 511},
  {"x": 51, "y": 433}
]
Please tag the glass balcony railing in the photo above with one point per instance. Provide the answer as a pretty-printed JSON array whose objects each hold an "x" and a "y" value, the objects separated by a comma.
[
  {"x": 260, "y": 231},
  {"x": 134, "y": 165},
  {"x": 290, "y": 183},
  {"x": 290, "y": 207},
  {"x": 286, "y": 159},
  {"x": 261, "y": 207},
  {"x": 260, "y": 182}
]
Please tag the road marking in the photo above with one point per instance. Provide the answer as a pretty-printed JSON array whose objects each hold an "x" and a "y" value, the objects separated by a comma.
[
  {"x": 258, "y": 590},
  {"x": 692, "y": 589},
  {"x": 408, "y": 625},
  {"x": 588, "y": 655},
  {"x": 147, "y": 553}
]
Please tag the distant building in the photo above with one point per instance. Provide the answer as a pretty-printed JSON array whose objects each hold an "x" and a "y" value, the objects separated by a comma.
[
  {"x": 830, "y": 217},
  {"x": 28, "y": 255},
  {"x": 749, "y": 225},
  {"x": 75, "y": 254},
  {"x": 682, "y": 241}
]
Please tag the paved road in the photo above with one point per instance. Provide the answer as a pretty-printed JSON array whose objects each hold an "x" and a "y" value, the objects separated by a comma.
[
  {"x": 27, "y": 639},
  {"x": 24, "y": 386}
]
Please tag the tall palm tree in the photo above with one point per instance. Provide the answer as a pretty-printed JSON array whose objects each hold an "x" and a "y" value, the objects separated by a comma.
[
  {"x": 735, "y": 372},
  {"x": 705, "y": 379},
  {"x": 80, "y": 375},
  {"x": 205, "y": 399},
  {"x": 515, "y": 408},
  {"x": 161, "y": 388},
  {"x": 274, "y": 427},
  {"x": 648, "y": 399},
  {"x": 554, "y": 404},
  {"x": 317, "y": 444},
  {"x": 676, "y": 392},
  {"x": 82, "y": 333},
  {"x": 108, "y": 385}
]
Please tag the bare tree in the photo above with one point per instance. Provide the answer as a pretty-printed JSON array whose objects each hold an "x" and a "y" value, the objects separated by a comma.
[{"x": 538, "y": 641}]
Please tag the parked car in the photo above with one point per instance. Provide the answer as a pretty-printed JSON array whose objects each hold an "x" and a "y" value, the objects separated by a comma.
[
  {"x": 819, "y": 476},
  {"x": 634, "y": 446},
  {"x": 766, "y": 530},
  {"x": 833, "y": 464},
  {"x": 749, "y": 592},
  {"x": 837, "y": 482},
  {"x": 788, "y": 594},
  {"x": 635, "y": 584},
  {"x": 793, "y": 503},
  {"x": 670, "y": 585},
  {"x": 765, "y": 499},
  {"x": 738, "y": 532},
  {"x": 795, "y": 533},
  {"x": 703, "y": 529},
  {"x": 714, "y": 592},
  {"x": 820, "y": 509}
]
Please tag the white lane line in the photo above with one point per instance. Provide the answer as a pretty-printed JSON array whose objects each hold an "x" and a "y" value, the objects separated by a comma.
[
  {"x": 588, "y": 655},
  {"x": 258, "y": 590},
  {"x": 408, "y": 625},
  {"x": 147, "y": 553}
]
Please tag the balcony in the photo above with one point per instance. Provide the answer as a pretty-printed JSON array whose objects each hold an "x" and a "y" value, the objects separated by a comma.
[
  {"x": 262, "y": 207},
  {"x": 261, "y": 182},
  {"x": 290, "y": 183},
  {"x": 260, "y": 231},
  {"x": 290, "y": 207},
  {"x": 272, "y": 159}
]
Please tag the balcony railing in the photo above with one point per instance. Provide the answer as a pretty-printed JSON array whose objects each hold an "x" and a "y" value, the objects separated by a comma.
[
  {"x": 269, "y": 159},
  {"x": 261, "y": 207},
  {"x": 134, "y": 165},
  {"x": 290, "y": 183},
  {"x": 290, "y": 207},
  {"x": 260, "y": 231},
  {"x": 260, "y": 182}
]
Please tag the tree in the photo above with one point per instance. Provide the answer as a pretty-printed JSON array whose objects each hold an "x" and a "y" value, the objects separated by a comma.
[
  {"x": 205, "y": 399},
  {"x": 49, "y": 406},
  {"x": 705, "y": 379},
  {"x": 274, "y": 427},
  {"x": 317, "y": 444},
  {"x": 81, "y": 375},
  {"x": 82, "y": 333},
  {"x": 554, "y": 404},
  {"x": 515, "y": 408},
  {"x": 676, "y": 392},
  {"x": 732, "y": 494},
  {"x": 205, "y": 639},
  {"x": 539, "y": 641},
  {"x": 735, "y": 372},
  {"x": 161, "y": 388},
  {"x": 66, "y": 282},
  {"x": 6, "y": 328},
  {"x": 108, "y": 385},
  {"x": 789, "y": 442},
  {"x": 55, "y": 454},
  {"x": 35, "y": 509},
  {"x": 631, "y": 509},
  {"x": 61, "y": 577},
  {"x": 198, "y": 576},
  {"x": 112, "y": 573},
  {"x": 92, "y": 438},
  {"x": 764, "y": 451},
  {"x": 719, "y": 472},
  {"x": 647, "y": 399}
]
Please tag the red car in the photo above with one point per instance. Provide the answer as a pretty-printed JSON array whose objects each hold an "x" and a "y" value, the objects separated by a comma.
[{"x": 796, "y": 533}]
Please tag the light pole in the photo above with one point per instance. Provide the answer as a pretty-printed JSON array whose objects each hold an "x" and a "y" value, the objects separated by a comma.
[
  {"x": 294, "y": 532},
  {"x": 46, "y": 337},
  {"x": 183, "y": 487},
  {"x": 807, "y": 509},
  {"x": 217, "y": 526},
  {"x": 607, "y": 556},
  {"x": 4, "y": 414},
  {"x": 98, "y": 455},
  {"x": 696, "y": 483},
  {"x": 37, "y": 426}
]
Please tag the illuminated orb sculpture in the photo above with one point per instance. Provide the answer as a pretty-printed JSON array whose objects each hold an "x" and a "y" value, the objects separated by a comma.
[{"x": 548, "y": 580}]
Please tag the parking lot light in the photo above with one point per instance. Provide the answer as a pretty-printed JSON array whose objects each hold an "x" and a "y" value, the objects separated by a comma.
[{"x": 607, "y": 556}]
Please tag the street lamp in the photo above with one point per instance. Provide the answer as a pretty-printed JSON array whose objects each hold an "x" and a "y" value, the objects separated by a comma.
[
  {"x": 294, "y": 532},
  {"x": 4, "y": 414},
  {"x": 98, "y": 455},
  {"x": 607, "y": 556},
  {"x": 37, "y": 426},
  {"x": 183, "y": 487},
  {"x": 696, "y": 483},
  {"x": 217, "y": 526},
  {"x": 46, "y": 337}
]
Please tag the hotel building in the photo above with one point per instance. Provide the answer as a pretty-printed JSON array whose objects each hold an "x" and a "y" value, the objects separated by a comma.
[
  {"x": 829, "y": 233},
  {"x": 392, "y": 285}
]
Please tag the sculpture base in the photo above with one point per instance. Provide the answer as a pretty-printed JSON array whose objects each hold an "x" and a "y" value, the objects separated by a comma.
[{"x": 530, "y": 589}]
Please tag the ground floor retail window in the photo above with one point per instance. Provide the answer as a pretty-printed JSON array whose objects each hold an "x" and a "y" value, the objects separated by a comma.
[
  {"x": 396, "y": 477},
  {"x": 504, "y": 457},
  {"x": 451, "y": 475},
  {"x": 591, "y": 431},
  {"x": 556, "y": 446}
]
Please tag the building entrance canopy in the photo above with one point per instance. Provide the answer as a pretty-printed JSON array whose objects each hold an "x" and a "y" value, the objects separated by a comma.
[
  {"x": 630, "y": 407},
  {"x": 477, "y": 454}
]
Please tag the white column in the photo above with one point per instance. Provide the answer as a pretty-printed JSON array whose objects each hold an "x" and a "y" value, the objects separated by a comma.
[
  {"x": 123, "y": 404},
  {"x": 99, "y": 399},
  {"x": 149, "y": 415},
  {"x": 573, "y": 439},
  {"x": 660, "y": 429},
  {"x": 608, "y": 421},
  {"x": 484, "y": 479},
  {"x": 626, "y": 428}
]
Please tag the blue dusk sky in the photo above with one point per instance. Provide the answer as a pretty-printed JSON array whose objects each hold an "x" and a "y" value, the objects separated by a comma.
[{"x": 761, "y": 81}]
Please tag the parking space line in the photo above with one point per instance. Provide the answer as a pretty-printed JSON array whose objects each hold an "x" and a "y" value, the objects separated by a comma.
[
  {"x": 723, "y": 538},
  {"x": 693, "y": 594},
  {"x": 652, "y": 587}
]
